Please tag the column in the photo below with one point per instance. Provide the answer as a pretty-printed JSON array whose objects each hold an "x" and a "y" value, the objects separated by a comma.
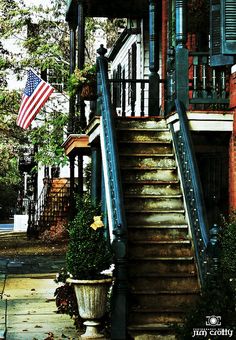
[
  {"x": 80, "y": 62},
  {"x": 154, "y": 79},
  {"x": 181, "y": 54}
]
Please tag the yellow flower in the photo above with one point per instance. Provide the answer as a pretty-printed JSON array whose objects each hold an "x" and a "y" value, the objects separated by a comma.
[{"x": 97, "y": 222}]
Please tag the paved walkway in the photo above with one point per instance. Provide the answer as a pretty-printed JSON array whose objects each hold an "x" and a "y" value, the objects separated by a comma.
[{"x": 27, "y": 305}]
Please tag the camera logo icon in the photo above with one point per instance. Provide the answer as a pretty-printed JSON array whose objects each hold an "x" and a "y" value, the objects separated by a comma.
[{"x": 213, "y": 320}]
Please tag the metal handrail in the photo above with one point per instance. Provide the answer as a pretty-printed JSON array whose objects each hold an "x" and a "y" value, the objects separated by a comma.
[
  {"x": 38, "y": 219},
  {"x": 36, "y": 208},
  {"x": 192, "y": 189},
  {"x": 114, "y": 199}
]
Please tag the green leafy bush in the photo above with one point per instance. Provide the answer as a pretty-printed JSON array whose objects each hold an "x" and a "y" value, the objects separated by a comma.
[
  {"x": 88, "y": 251},
  {"x": 216, "y": 298},
  {"x": 228, "y": 241},
  {"x": 80, "y": 77}
]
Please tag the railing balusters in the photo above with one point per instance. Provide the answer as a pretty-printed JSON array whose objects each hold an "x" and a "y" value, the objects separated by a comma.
[
  {"x": 195, "y": 65},
  {"x": 209, "y": 84},
  {"x": 137, "y": 105},
  {"x": 204, "y": 77},
  {"x": 133, "y": 101},
  {"x": 142, "y": 99},
  {"x": 223, "y": 84},
  {"x": 123, "y": 98},
  {"x": 214, "y": 93},
  {"x": 41, "y": 214}
]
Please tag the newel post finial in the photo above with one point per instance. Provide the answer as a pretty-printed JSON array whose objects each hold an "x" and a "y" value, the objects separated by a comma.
[{"x": 102, "y": 50}]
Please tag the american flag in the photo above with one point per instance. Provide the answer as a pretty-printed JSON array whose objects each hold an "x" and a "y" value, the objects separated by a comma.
[{"x": 35, "y": 95}]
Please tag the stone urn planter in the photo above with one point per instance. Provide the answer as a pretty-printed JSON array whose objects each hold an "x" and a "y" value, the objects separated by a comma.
[
  {"x": 92, "y": 300},
  {"x": 88, "y": 256}
]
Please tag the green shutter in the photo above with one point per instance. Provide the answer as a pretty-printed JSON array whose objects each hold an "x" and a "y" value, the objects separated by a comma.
[
  {"x": 215, "y": 27},
  {"x": 223, "y": 32},
  {"x": 229, "y": 27}
]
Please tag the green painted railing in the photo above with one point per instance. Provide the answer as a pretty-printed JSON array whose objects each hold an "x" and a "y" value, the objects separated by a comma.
[
  {"x": 192, "y": 190},
  {"x": 114, "y": 199}
]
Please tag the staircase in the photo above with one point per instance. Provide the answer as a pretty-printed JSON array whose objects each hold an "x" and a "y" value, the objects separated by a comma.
[
  {"x": 56, "y": 205},
  {"x": 162, "y": 272}
]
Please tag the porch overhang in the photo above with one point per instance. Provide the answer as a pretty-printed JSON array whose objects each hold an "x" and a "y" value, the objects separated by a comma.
[
  {"x": 76, "y": 144},
  {"x": 112, "y": 9}
]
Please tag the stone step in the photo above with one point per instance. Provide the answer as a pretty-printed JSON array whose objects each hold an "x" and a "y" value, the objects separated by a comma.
[
  {"x": 143, "y": 123},
  {"x": 146, "y": 218},
  {"x": 165, "y": 299},
  {"x": 169, "y": 281},
  {"x": 161, "y": 189},
  {"x": 161, "y": 265},
  {"x": 151, "y": 331},
  {"x": 144, "y": 161},
  {"x": 145, "y": 147},
  {"x": 131, "y": 175},
  {"x": 158, "y": 202},
  {"x": 140, "y": 249},
  {"x": 141, "y": 135},
  {"x": 156, "y": 232},
  {"x": 150, "y": 315},
  {"x": 141, "y": 315}
]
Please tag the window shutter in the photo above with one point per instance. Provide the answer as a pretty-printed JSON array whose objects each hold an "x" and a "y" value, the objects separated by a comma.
[
  {"x": 215, "y": 27},
  {"x": 229, "y": 27},
  {"x": 223, "y": 32}
]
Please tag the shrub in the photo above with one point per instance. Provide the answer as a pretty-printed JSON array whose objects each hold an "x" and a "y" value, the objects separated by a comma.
[
  {"x": 88, "y": 251},
  {"x": 228, "y": 242}
]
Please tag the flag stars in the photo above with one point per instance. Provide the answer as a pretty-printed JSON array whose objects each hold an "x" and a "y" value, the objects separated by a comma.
[{"x": 31, "y": 84}]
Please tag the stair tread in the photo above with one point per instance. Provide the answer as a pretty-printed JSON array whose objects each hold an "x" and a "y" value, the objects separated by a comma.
[
  {"x": 158, "y": 211},
  {"x": 161, "y": 242},
  {"x": 166, "y": 275},
  {"x": 124, "y": 141},
  {"x": 126, "y": 128},
  {"x": 164, "y": 155},
  {"x": 154, "y": 181},
  {"x": 165, "y": 292},
  {"x": 126, "y": 167},
  {"x": 161, "y": 258},
  {"x": 151, "y": 326},
  {"x": 152, "y": 196},
  {"x": 166, "y": 226},
  {"x": 157, "y": 309}
]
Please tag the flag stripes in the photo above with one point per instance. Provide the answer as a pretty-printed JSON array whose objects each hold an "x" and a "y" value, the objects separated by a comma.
[{"x": 35, "y": 95}]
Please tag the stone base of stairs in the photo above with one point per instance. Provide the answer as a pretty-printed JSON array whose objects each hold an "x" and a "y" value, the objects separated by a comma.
[
  {"x": 154, "y": 337},
  {"x": 156, "y": 331}
]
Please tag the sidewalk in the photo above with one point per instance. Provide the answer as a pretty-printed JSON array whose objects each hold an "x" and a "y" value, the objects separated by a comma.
[{"x": 27, "y": 305}]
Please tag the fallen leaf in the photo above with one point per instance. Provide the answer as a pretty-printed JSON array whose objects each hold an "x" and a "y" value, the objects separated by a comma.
[{"x": 50, "y": 336}]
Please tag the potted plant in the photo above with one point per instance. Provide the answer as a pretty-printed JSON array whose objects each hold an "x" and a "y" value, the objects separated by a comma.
[
  {"x": 88, "y": 255},
  {"x": 84, "y": 80}
]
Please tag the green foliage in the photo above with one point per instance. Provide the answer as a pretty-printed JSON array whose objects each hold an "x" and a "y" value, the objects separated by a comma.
[
  {"x": 11, "y": 137},
  {"x": 217, "y": 299},
  {"x": 49, "y": 137},
  {"x": 219, "y": 294},
  {"x": 86, "y": 75},
  {"x": 228, "y": 242},
  {"x": 39, "y": 35},
  {"x": 88, "y": 251},
  {"x": 8, "y": 199}
]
